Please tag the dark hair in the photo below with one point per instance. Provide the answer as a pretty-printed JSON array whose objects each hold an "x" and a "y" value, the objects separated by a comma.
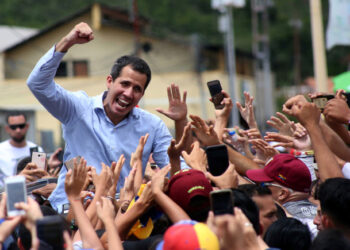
[
  {"x": 23, "y": 163},
  {"x": 253, "y": 189},
  {"x": 24, "y": 234},
  {"x": 15, "y": 113},
  {"x": 334, "y": 196},
  {"x": 330, "y": 239},
  {"x": 136, "y": 64},
  {"x": 248, "y": 207},
  {"x": 288, "y": 234}
]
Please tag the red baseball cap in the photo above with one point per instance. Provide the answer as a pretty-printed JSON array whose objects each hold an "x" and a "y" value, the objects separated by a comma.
[
  {"x": 286, "y": 170},
  {"x": 186, "y": 184}
]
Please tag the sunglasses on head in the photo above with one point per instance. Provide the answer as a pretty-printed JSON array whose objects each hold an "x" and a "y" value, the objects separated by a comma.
[{"x": 15, "y": 126}]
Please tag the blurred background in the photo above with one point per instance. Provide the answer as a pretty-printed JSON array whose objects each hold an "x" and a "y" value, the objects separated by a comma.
[{"x": 264, "y": 47}]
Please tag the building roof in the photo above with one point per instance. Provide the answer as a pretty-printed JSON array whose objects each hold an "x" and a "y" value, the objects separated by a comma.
[
  {"x": 110, "y": 16},
  {"x": 12, "y": 35}
]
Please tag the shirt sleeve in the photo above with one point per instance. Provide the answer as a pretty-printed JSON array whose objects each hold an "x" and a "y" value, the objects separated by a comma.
[
  {"x": 161, "y": 144},
  {"x": 61, "y": 103}
]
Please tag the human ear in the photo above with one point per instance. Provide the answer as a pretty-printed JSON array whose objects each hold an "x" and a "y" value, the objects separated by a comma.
[{"x": 109, "y": 81}]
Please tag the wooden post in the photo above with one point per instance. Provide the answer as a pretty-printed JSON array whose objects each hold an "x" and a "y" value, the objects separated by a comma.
[{"x": 320, "y": 65}]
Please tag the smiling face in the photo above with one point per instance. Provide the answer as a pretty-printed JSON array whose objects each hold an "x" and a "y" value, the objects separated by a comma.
[{"x": 124, "y": 93}]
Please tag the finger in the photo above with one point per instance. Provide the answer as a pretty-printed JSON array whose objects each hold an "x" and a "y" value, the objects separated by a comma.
[
  {"x": 283, "y": 117},
  {"x": 184, "y": 97},
  {"x": 169, "y": 92}
]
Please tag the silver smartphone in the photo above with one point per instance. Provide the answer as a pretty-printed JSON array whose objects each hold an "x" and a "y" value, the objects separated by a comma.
[
  {"x": 16, "y": 191},
  {"x": 39, "y": 159}
]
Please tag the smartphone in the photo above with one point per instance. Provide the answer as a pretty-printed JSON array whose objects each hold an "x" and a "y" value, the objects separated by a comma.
[
  {"x": 217, "y": 156},
  {"x": 39, "y": 159},
  {"x": 70, "y": 163},
  {"x": 16, "y": 191},
  {"x": 60, "y": 155},
  {"x": 50, "y": 230},
  {"x": 33, "y": 149},
  {"x": 222, "y": 202},
  {"x": 216, "y": 94},
  {"x": 347, "y": 95},
  {"x": 321, "y": 101}
]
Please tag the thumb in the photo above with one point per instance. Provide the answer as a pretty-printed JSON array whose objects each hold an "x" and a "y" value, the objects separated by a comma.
[
  {"x": 210, "y": 177},
  {"x": 185, "y": 155}
]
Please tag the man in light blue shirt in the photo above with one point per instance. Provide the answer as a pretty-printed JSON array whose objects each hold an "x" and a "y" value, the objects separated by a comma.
[{"x": 100, "y": 128}]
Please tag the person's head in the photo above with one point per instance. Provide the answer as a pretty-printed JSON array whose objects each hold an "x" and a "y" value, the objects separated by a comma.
[
  {"x": 288, "y": 234},
  {"x": 189, "y": 235},
  {"x": 330, "y": 239},
  {"x": 126, "y": 85},
  {"x": 23, "y": 163},
  {"x": 248, "y": 207},
  {"x": 334, "y": 197},
  {"x": 283, "y": 175},
  {"x": 190, "y": 189},
  {"x": 17, "y": 126},
  {"x": 263, "y": 199},
  {"x": 24, "y": 240}
]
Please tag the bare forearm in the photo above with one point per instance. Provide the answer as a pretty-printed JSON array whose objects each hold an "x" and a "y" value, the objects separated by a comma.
[
  {"x": 87, "y": 232},
  {"x": 128, "y": 219},
  {"x": 175, "y": 165},
  {"x": 242, "y": 163},
  {"x": 341, "y": 130},
  {"x": 335, "y": 143},
  {"x": 112, "y": 235},
  {"x": 170, "y": 208},
  {"x": 326, "y": 162}
]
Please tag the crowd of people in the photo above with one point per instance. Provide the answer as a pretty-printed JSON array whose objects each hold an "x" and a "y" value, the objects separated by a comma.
[{"x": 134, "y": 186}]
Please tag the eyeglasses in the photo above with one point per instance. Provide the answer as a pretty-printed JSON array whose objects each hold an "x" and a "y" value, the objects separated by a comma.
[
  {"x": 266, "y": 184},
  {"x": 15, "y": 126}
]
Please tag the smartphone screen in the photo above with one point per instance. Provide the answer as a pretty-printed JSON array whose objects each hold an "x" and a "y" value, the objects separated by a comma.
[
  {"x": 70, "y": 163},
  {"x": 321, "y": 101},
  {"x": 221, "y": 201},
  {"x": 39, "y": 159},
  {"x": 215, "y": 92},
  {"x": 16, "y": 192},
  {"x": 217, "y": 159}
]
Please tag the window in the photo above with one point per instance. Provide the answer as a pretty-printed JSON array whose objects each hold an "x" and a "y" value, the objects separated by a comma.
[
  {"x": 80, "y": 68},
  {"x": 62, "y": 70}
]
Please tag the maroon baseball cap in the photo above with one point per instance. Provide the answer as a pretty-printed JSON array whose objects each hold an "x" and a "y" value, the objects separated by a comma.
[
  {"x": 286, "y": 170},
  {"x": 186, "y": 184}
]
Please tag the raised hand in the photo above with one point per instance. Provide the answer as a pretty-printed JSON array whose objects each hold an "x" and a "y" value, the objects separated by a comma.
[
  {"x": 206, "y": 135},
  {"x": 289, "y": 107},
  {"x": 105, "y": 210},
  {"x": 197, "y": 159},
  {"x": 103, "y": 181},
  {"x": 115, "y": 170},
  {"x": 247, "y": 112},
  {"x": 54, "y": 163},
  {"x": 75, "y": 180},
  {"x": 177, "y": 109},
  {"x": 282, "y": 124},
  {"x": 81, "y": 33},
  {"x": 32, "y": 173},
  {"x": 158, "y": 180},
  {"x": 300, "y": 143},
  {"x": 266, "y": 151}
]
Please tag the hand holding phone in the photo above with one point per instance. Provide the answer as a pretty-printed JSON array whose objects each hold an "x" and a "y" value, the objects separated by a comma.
[
  {"x": 216, "y": 94},
  {"x": 15, "y": 188},
  {"x": 70, "y": 163},
  {"x": 39, "y": 159},
  {"x": 221, "y": 201},
  {"x": 321, "y": 101},
  {"x": 217, "y": 157}
]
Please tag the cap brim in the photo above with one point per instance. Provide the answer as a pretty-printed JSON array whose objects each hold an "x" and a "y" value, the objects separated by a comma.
[{"x": 258, "y": 175}]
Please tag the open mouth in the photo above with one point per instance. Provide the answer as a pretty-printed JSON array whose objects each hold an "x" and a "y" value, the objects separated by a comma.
[{"x": 122, "y": 103}]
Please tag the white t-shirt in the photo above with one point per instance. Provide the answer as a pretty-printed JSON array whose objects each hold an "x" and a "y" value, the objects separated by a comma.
[{"x": 10, "y": 155}]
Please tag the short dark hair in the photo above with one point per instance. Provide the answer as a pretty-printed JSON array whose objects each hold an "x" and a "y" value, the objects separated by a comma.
[
  {"x": 330, "y": 239},
  {"x": 334, "y": 196},
  {"x": 288, "y": 234},
  {"x": 15, "y": 113},
  {"x": 248, "y": 207},
  {"x": 254, "y": 189},
  {"x": 136, "y": 64}
]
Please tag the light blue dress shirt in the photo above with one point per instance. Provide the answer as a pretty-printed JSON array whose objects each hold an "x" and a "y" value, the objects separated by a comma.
[{"x": 88, "y": 131}]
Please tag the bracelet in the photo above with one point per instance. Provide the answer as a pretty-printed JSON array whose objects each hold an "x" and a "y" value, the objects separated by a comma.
[
  {"x": 109, "y": 197},
  {"x": 2, "y": 220}
]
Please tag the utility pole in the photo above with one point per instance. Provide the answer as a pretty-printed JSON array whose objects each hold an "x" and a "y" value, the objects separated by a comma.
[
  {"x": 265, "y": 106},
  {"x": 226, "y": 27},
  {"x": 133, "y": 17},
  {"x": 320, "y": 66}
]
